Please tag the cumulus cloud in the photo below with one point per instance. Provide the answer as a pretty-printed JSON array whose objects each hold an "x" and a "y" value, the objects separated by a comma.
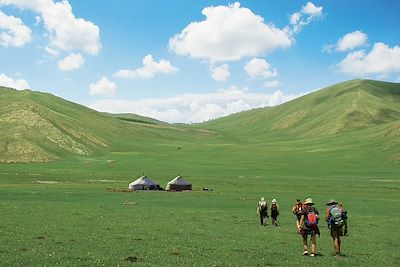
[
  {"x": 305, "y": 16},
  {"x": 228, "y": 33},
  {"x": 71, "y": 62},
  {"x": 13, "y": 32},
  {"x": 351, "y": 41},
  {"x": 348, "y": 42},
  {"x": 10, "y": 82},
  {"x": 220, "y": 73},
  {"x": 258, "y": 67},
  {"x": 380, "y": 60},
  {"x": 103, "y": 87},
  {"x": 192, "y": 108},
  {"x": 149, "y": 69},
  {"x": 66, "y": 32}
]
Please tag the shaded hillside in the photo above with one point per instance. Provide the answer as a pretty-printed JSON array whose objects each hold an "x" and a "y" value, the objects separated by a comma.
[
  {"x": 136, "y": 118},
  {"x": 39, "y": 127}
]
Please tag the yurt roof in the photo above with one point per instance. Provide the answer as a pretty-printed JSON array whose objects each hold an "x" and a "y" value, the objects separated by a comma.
[
  {"x": 144, "y": 180},
  {"x": 178, "y": 181}
]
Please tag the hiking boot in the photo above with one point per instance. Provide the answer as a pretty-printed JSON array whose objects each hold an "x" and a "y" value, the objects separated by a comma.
[
  {"x": 313, "y": 255},
  {"x": 305, "y": 253}
]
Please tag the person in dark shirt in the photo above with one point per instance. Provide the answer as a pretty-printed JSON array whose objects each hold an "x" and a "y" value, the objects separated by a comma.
[
  {"x": 274, "y": 212},
  {"x": 262, "y": 211},
  {"x": 297, "y": 211},
  {"x": 308, "y": 226}
]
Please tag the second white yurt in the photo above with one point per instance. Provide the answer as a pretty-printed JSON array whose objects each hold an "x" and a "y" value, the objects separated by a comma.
[{"x": 178, "y": 184}]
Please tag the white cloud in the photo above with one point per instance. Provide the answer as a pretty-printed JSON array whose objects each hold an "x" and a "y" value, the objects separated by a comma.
[
  {"x": 351, "y": 41},
  {"x": 149, "y": 69},
  {"x": 13, "y": 32},
  {"x": 103, "y": 87},
  {"x": 71, "y": 62},
  {"x": 228, "y": 33},
  {"x": 271, "y": 84},
  {"x": 10, "y": 82},
  {"x": 305, "y": 16},
  {"x": 312, "y": 10},
  {"x": 258, "y": 67},
  {"x": 380, "y": 60},
  {"x": 348, "y": 42},
  {"x": 66, "y": 32},
  {"x": 192, "y": 108},
  {"x": 220, "y": 73},
  {"x": 125, "y": 74}
]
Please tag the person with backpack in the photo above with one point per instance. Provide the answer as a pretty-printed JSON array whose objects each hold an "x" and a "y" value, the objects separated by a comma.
[
  {"x": 297, "y": 210},
  {"x": 262, "y": 211},
  {"x": 344, "y": 215},
  {"x": 274, "y": 212},
  {"x": 308, "y": 226},
  {"x": 334, "y": 218}
]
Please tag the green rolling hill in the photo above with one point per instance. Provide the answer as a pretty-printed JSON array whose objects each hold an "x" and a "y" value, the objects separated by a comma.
[
  {"x": 362, "y": 111},
  {"x": 39, "y": 127},
  {"x": 341, "y": 108}
]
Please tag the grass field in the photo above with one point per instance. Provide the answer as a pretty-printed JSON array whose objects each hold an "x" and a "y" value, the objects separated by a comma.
[{"x": 62, "y": 214}]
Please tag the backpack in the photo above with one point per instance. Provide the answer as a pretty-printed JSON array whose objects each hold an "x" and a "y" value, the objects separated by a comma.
[
  {"x": 336, "y": 216},
  {"x": 274, "y": 207},
  {"x": 263, "y": 206},
  {"x": 311, "y": 219}
]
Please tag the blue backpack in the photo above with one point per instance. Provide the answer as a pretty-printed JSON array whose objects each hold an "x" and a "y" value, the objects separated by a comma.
[{"x": 336, "y": 216}]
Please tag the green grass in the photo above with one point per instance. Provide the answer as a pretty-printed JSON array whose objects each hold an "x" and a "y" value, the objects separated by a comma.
[
  {"x": 83, "y": 224},
  {"x": 77, "y": 222},
  {"x": 60, "y": 213}
]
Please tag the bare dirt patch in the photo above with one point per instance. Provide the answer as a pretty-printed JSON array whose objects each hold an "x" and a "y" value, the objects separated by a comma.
[{"x": 48, "y": 182}]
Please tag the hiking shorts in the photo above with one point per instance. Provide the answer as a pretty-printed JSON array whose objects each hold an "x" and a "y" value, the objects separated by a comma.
[
  {"x": 312, "y": 230},
  {"x": 336, "y": 231}
]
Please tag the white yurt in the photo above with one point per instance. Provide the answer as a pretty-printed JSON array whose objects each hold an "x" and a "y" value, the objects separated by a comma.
[
  {"x": 144, "y": 183},
  {"x": 178, "y": 184}
]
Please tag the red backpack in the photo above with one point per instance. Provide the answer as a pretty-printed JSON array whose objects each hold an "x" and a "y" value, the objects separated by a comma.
[{"x": 311, "y": 219}]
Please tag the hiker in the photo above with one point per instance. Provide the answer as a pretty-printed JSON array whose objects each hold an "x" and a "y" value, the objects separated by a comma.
[
  {"x": 334, "y": 218},
  {"x": 274, "y": 212},
  {"x": 344, "y": 216},
  {"x": 262, "y": 211},
  {"x": 309, "y": 226},
  {"x": 297, "y": 210}
]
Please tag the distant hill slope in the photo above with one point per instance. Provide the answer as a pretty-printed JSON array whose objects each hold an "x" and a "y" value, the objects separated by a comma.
[
  {"x": 362, "y": 113},
  {"x": 136, "y": 118},
  {"x": 344, "y": 107},
  {"x": 40, "y": 127}
]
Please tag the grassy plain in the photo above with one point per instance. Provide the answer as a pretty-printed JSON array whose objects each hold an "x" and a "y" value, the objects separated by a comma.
[{"x": 61, "y": 214}]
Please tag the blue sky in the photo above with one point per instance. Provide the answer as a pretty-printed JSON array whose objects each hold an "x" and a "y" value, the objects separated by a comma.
[{"x": 191, "y": 61}]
